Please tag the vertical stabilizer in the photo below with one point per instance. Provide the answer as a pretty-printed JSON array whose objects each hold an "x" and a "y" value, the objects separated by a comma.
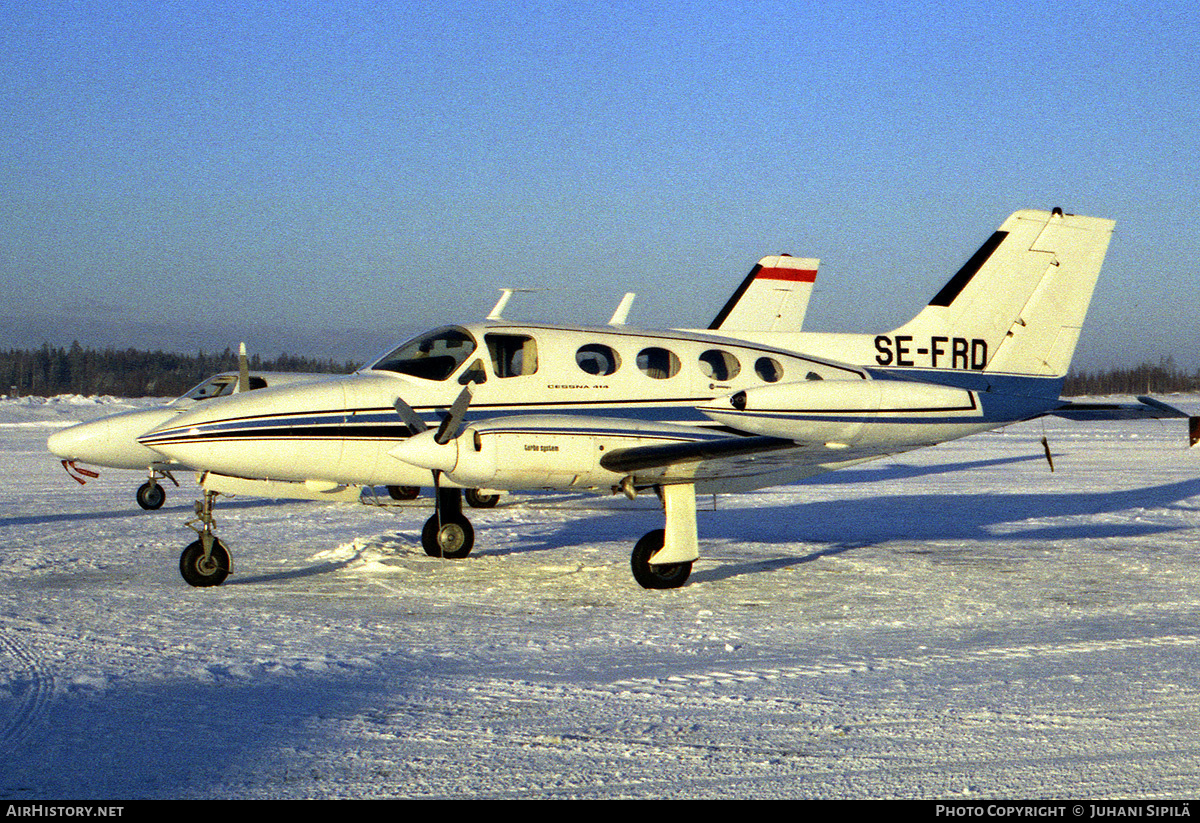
[
  {"x": 1018, "y": 304},
  {"x": 773, "y": 297}
]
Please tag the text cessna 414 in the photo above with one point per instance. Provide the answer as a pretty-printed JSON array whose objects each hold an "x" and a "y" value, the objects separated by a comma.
[{"x": 614, "y": 410}]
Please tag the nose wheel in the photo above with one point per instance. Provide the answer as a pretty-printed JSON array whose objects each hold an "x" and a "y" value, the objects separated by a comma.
[
  {"x": 151, "y": 495},
  {"x": 205, "y": 562},
  {"x": 201, "y": 567}
]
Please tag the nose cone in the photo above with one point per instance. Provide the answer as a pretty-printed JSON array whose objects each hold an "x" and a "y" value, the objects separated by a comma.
[{"x": 111, "y": 441}]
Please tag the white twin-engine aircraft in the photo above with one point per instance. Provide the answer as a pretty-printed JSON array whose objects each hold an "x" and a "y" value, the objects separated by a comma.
[
  {"x": 748, "y": 403},
  {"x": 111, "y": 441},
  {"x": 775, "y": 294}
]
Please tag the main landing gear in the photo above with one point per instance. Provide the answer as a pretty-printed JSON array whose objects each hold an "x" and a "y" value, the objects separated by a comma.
[
  {"x": 476, "y": 498},
  {"x": 448, "y": 533},
  {"x": 663, "y": 558}
]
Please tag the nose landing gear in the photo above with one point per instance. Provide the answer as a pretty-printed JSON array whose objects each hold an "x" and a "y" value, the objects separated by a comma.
[{"x": 205, "y": 562}]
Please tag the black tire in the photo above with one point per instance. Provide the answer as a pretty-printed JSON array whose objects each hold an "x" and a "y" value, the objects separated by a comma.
[
  {"x": 151, "y": 496},
  {"x": 657, "y": 576},
  {"x": 404, "y": 492},
  {"x": 452, "y": 541},
  {"x": 196, "y": 572},
  {"x": 478, "y": 500}
]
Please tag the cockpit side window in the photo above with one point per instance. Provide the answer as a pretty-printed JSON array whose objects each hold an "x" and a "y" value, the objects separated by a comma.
[
  {"x": 513, "y": 355},
  {"x": 432, "y": 356}
]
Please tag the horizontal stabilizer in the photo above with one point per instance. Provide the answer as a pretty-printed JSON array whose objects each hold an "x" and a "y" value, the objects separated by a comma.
[{"x": 1147, "y": 408}]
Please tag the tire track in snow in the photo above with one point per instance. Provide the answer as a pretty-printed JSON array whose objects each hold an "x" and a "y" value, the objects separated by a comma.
[
  {"x": 835, "y": 668},
  {"x": 28, "y": 683}
]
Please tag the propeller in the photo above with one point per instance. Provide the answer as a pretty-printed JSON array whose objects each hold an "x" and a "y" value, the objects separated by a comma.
[
  {"x": 243, "y": 369},
  {"x": 427, "y": 447},
  {"x": 432, "y": 449}
]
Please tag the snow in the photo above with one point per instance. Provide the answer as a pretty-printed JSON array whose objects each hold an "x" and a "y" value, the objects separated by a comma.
[{"x": 954, "y": 623}]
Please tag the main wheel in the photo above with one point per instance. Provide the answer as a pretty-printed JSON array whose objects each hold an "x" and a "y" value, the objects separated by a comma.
[
  {"x": 658, "y": 575},
  {"x": 403, "y": 492},
  {"x": 453, "y": 540},
  {"x": 151, "y": 496},
  {"x": 478, "y": 500},
  {"x": 200, "y": 572}
]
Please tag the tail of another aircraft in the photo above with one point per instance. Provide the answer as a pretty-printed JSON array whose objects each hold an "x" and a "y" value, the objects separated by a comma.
[
  {"x": 773, "y": 297},
  {"x": 1016, "y": 307}
]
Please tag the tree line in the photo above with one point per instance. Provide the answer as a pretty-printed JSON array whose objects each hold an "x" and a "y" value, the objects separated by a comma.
[
  {"x": 1148, "y": 378},
  {"x": 51, "y": 370}
]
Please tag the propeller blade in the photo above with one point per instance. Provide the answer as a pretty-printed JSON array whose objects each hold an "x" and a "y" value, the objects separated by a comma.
[
  {"x": 452, "y": 423},
  {"x": 243, "y": 369},
  {"x": 411, "y": 419}
]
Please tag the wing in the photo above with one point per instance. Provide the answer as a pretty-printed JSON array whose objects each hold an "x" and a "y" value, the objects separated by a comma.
[{"x": 565, "y": 451}]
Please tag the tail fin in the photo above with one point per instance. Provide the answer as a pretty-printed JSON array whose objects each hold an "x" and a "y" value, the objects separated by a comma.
[
  {"x": 1018, "y": 304},
  {"x": 773, "y": 297}
]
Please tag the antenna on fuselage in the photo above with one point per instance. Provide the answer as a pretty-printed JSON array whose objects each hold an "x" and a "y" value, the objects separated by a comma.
[{"x": 505, "y": 296}]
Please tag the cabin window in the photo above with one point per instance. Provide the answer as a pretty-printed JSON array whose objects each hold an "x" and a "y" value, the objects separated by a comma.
[
  {"x": 597, "y": 359},
  {"x": 658, "y": 363},
  {"x": 432, "y": 356},
  {"x": 768, "y": 369},
  {"x": 719, "y": 365},
  {"x": 513, "y": 355}
]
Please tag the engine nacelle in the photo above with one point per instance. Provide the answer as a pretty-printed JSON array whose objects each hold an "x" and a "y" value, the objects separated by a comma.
[
  {"x": 536, "y": 451},
  {"x": 847, "y": 412}
]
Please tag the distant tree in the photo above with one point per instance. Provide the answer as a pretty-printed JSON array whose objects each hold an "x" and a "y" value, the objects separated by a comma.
[
  {"x": 1148, "y": 378},
  {"x": 131, "y": 373}
]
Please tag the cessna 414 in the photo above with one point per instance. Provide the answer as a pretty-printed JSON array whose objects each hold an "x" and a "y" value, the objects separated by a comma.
[
  {"x": 775, "y": 293},
  {"x": 731, "y": 408}
]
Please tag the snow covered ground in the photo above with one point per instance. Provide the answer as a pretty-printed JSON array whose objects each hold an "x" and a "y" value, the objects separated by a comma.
[{"x": 955, "y": 623}]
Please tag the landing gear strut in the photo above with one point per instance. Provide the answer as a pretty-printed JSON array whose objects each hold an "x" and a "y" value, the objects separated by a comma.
[
  {"x": 205, "y": 562},
  {"x": 663, "y": 558},
  {"x": 448, "y": 534}
]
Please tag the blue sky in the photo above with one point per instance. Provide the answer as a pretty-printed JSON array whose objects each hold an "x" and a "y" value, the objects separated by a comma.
[{"x": 337, "y": 175}]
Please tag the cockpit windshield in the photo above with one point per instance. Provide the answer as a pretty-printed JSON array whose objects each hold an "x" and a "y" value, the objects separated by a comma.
[
  {"x": 432, "y": 356},
  {"x": 216, "y": 386}
]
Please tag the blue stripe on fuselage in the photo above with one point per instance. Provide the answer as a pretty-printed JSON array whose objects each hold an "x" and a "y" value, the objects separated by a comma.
[{"x": 1049, "y": 388}]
